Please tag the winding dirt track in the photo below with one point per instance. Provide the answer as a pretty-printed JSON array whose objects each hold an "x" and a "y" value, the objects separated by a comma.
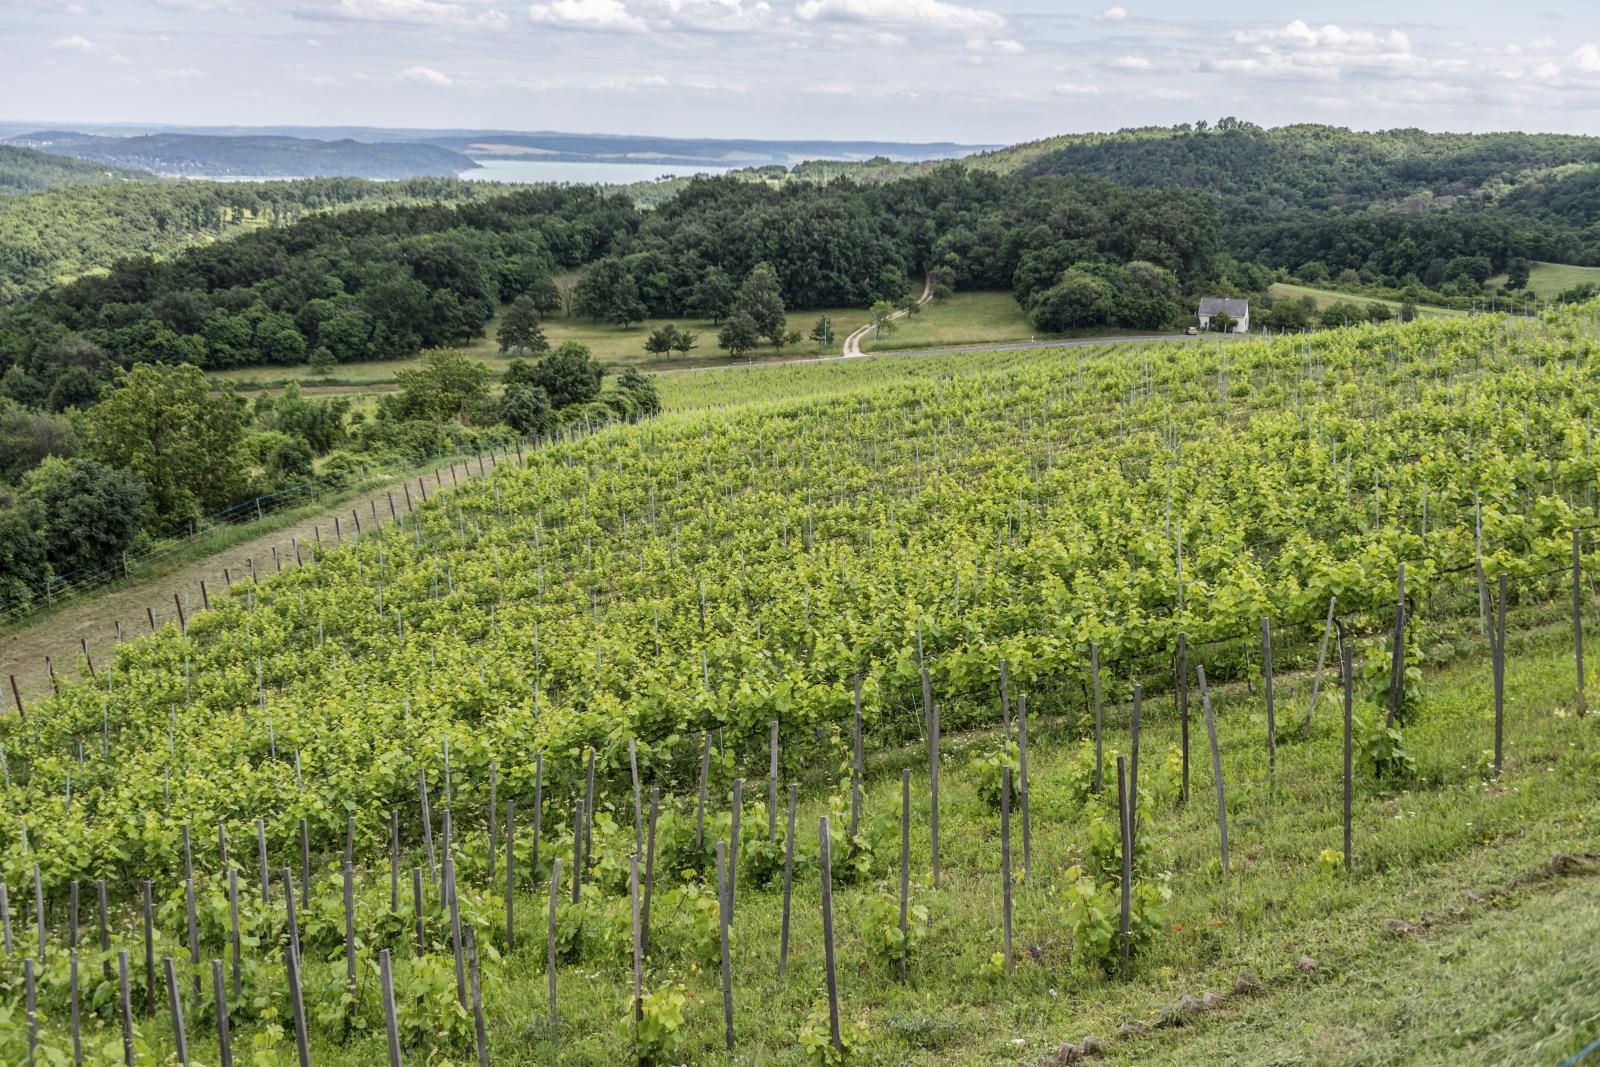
[{"x": 852, "y": 344}]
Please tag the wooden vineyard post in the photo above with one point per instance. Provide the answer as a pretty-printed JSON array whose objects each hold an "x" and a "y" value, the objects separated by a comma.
[
  {"x": 74, "y": 1019},
  {"x": 5, "y": 917},
  {"x": 538, "y": 810},
  {"x": 350, "y": 914},
  {"x": 427, "y": 820},
  {"x": 418, "y": 921},
  {"x": 1216, "y": 765},
  {"x": 149, "y": 949},
  {"x": 905, "y": 862},
  {"x": 830, "y": 964},
  {"x": 189, "y": 907},
  {"x": 494, "y": 810},
  {"x": 1345, "y": 674},
  {"x": 649, "y": 867},
  {"x": 394, "y": 861},
  {"x": 1397, "y": 662},
  {"x": 1183, "y": 711},
  {"x": 1005, "y": 861},
  {"x": 297, "y": 1003},
  {"x": 391, "y": 1022},
  {"x": 724, "y": 897},
  {"x": 1124, "y": 820},
  {"x": 1497, "y": 659},
  {"x": 550, "y": 953},
  {"x": 638, "y": 950},
  {"x": 577, "y": 851},
  {"x": 30, "y": 997},
  {"x": 1266, "y": 686},
  {"x": 511, "y": 874},
  {"x": 219, "y": 993},
  {"x": 788, "y": 883},
  {"x": 233, "y": 932},
  {"x": 772, "y": 785},
  {"x": 479, "y": 1033},
  {"x": 1577, "y": 618},
  {"x": 1316, "y": 681},
  {"x": 16, "y": 695},
  {"x": 175, "y": 1008},
  {"x": 855, "y": 762},
  {"x": 261, "y": 852},
  {"x": 125, "y": 1003},
  {"x": 288, "y": 910},
  {"x": 933, "y": 791},
  {"x": 1133, "y": 761},
  {"x": 733, "y": 843},
  {"x": 1094, "y": 671},
  {"x": 1027, "y": 831},
  {"x": 700, "y": 807},
  {"x": 1005, "y": 703}
]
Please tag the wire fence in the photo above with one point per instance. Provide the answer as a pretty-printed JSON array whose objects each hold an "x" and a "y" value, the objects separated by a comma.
[{"x": 57, "y": 590}]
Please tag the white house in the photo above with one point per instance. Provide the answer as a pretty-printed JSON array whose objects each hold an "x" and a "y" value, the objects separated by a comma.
[{"x": 1237, "y": 310}]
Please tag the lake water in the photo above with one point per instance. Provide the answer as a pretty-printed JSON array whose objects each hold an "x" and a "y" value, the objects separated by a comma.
[{"x": 529, "y": 171}]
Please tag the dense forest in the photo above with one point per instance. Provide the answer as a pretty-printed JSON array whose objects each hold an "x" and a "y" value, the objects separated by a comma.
[
  {"x": 256, "y": 156},
  {"x": 52, "y": 236},
  {"x": 370, "y": 284},
  {"x": 27, "y": 170},
  {"x": 1396, "y": 207}
]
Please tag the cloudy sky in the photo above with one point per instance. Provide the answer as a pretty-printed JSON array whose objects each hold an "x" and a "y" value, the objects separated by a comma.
[{"x": 977, "y": 71}]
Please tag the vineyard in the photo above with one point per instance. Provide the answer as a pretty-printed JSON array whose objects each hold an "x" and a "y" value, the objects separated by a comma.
[{"x": 933, "y": 709}]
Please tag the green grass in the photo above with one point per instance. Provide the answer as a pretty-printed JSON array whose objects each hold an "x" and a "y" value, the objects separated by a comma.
[
  {"x": 972, "y": 318},
  {"x": 1546, "y": 280},
  {"x": 614, "y": 346},
  {"x": 1324, "y": 297}
]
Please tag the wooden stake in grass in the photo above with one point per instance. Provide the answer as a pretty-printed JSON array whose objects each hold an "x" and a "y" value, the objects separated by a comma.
[
  {"x": 772, "y": 785},
  {"x": 74, "y": 1020},
  {"x": 1027, "y": 830},
  {"x": 577, "y": 851},
  {"x": 724, "y": 894},
  {"x": 480, "y": 1034},
  {"x": 733, "y": 843},
  {"x": 933, "y": 792},
  {"x": 550, "y": 952},
  {"x": 1345, "y": 675},
  {"x": 175, "y": 1008},
  {"x": 788, "y": 882},
  {"x": 1316, "y": 681},
  {"x": 700, "y": 808},
  {"x": 297, "y": 1004},
  {"x": 638, "y": 803},
  {"x": 1183, "y": 712},
  {"x": 1133, "y": 762},
  {"x": 1005, "y": 860},
  {"x": 638, "y": 950},
  {"x": 1397, "y": 662},
  {"x": 1094, "y": 671},
  {"x": 1266, "y": 686},
  {"x": 830, "y": 964},
  {"x": 219, "y": 993},
  {"x": 30, "y": 999},
  {"x": 1577, "y": 616},
  {"x": 125, "y": 1002},
  {"x": 538, "y": 810},
  {"x": 511, "y": 874},
  {"x": 905, "y": 862},
  {"x": 149, "y": 948},
  {"x": 427, "y": 820},
  {"x": 494, "y": 809},
  {"x": 649, "y": 867},
  {"x": 1124, "y": 826},
  {"x": 391, "y": 1022},
  {"x": 1497, "y": 660},
  {"x": 233, "y": 932},
  {"x": 1216, "y": 765}
]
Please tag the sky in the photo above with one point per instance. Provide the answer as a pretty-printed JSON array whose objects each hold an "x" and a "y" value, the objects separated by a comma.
[{"x": 985, "y": 71}]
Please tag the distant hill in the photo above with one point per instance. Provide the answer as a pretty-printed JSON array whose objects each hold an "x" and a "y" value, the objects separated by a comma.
[
  {"x": 203, "y": 156},
  {"x": 28, "y": 170}
]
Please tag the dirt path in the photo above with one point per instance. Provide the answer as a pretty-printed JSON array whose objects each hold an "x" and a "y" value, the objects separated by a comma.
[
  {"x": 95, "y": 619},
  {"x": 852, "y": 344}
]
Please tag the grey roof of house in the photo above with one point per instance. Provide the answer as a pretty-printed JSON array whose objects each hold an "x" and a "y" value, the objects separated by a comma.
[{"x": 1211, "y": 305}]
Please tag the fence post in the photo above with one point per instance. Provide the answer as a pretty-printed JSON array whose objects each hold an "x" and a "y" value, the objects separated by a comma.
[{"x": 1216, "y": 765}]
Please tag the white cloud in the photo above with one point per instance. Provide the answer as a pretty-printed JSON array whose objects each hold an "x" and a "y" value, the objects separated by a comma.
[
  {"x": 588, "y": 15},
  {"x": 930, "y": 14},
  {"x": 1132, "y": 63},
  {"x": 72, "y": 44},
  {"x": 1077, "y": 89},
  {"x": 1009, "y": 46},
  {"x": 425, "y": 76},
  {"x": 421, "y": 12},
  {"x": 1114, "y": 14},
  {"x": 1587, "y": 58}
]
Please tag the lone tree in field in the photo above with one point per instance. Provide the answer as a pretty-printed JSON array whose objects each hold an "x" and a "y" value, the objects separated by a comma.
[
  {"x": 882, "y": 318},
  {"x": 520, "y": 332},
  {"x": 760, "y": 299},
  {"x": 661, "y": 341},
  {"x": 684, "y": 342},
  {"x": 569, "y": 375},
  {"x": 448, "y": 385},
  {"x": 822, "y": 332},
  {"x": 739, "y": 335}
]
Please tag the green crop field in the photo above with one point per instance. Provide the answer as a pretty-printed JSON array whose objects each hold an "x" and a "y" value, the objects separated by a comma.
[{"x": 988, "y": 567}]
